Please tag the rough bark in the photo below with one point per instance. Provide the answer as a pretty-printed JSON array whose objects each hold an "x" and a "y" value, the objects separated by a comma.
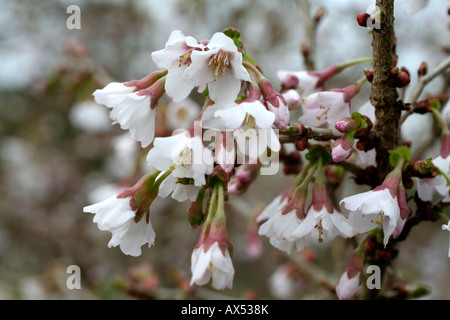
[{"x": 384, "y": 94}]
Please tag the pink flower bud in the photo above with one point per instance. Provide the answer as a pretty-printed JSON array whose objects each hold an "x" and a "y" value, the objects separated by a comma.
[
  {"x": 235, "y": 187},
  {"x": 147, "y": 81},
  {"x": 275, "y": 103},
  {"x": 342, "y": 149},
  {"x": 290, "y": 81},
  {"x": 293, "y": 99},
  {"x": 345, "y": 125},
  {"x": 347, "y": 286}
]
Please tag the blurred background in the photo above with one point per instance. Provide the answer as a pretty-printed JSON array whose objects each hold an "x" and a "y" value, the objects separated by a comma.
[{"x": 59, "y": 151}]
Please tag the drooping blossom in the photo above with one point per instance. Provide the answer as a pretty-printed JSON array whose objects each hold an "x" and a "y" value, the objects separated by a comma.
[
  {"x": 305, "y": 82},
  {"x": 279, "y": 225},
  {"x": 212, "y": 263},
  {"x": 219, "y": 67},
  {"x": 134, "y": 105},
  {"x": 381, "y": 206},
  {"x": 182, "y": 154},
  {"x": 428, "y": 187},
  {"x": 176, "y": 58},
  {"x": 251, "y": 123},
  {"x": 327, "y": 107},
  {"x": 126, "y": 216},
  {"x": 179, "y": 190},
  {"x": 350, "y": 280},
  {"x": 211, "y": 258},
  {"x": 322, "y": 219}
]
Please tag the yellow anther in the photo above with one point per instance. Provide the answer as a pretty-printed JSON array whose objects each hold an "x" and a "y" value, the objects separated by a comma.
[
  {"x": 219, "y": 62},
  {"x": 320, "y": 228},
  {"x": 185, "y": 59},
  {"x": 323, "y": 114},
  {"x": 380, "y": 218}
]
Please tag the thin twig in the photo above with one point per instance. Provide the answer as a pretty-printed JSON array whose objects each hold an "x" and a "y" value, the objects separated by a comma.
[
  {"x": 310, "y": 25},
  {"x": 421, "y": 83},
  {"x": 319, "y": 134}
]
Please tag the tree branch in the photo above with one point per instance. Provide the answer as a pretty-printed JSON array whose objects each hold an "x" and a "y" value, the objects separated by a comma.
[
  {"x": 422, "y": 82},
  {"x": 319, "y": 134},
  {"x": 384, "y": 94}
]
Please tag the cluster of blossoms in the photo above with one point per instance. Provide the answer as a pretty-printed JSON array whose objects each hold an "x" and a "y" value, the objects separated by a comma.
[{"x": 224, "y": 149}]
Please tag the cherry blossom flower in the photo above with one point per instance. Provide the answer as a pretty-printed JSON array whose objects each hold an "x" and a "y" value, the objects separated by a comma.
[
  {"x": 126, "y": 216},
  {"x": 322, "y": 219},
  {"x": 309, "y": 82},
  {"x": 212, "y": 262},
  {"x": 284, "y": 215},
  {"x": 219, "y": 67},
  {"x": 351, "y": 278},
  {"x": 134, "y": 111},
  {"x": 347, "y": 287},
  {"x": 385, "y": 205},
  {"x": 324, "y": 108},
  {"x": 372, "y": 208},
  {"x": 252, "y": 125},
  {"x": 245, "y": 175},
  {"x": 379, "y": 206},
  {"x": 279, "y": 226},
  {"x": 176, "y": 58},
  {"x": 115, "y": 215},
  {"x": 284, "y": 283},
  {"x": 178, "y": 190},
  {"x": 439, "y": 184},
  {"x": 427, "y": 187},
  {"x": 211, "y": 257},
  {"x": 182, "y": 154},
  {"x": 274, "y": 101},
  {"x": 327, "y": 107},
  {"x": 306, "y": 82}
]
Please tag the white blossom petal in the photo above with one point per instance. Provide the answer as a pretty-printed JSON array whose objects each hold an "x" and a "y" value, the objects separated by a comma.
[
  {"x": 214, "y": 264},
  {"x": 347, "y": 287}
]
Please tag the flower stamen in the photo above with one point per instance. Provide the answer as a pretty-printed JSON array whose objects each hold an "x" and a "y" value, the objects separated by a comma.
[
  {"x": 219, "y": 62},
  {"x": 320, "y": 229},
  {"x": 380, "y": 218},
  {"x": 184, "y": 158},
  {"x": 323, "y": 113},
  {"x": 185, "y": 59}
]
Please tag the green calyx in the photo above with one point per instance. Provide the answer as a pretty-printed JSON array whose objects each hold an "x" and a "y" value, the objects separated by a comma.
[
  {"x": 435, "y": 107},
  {"x": 319, "y": 152},
  {"x": 195, "y": 211},
  {"x": 235, "y": 35},
  {"x": 401, "y": 154}
]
